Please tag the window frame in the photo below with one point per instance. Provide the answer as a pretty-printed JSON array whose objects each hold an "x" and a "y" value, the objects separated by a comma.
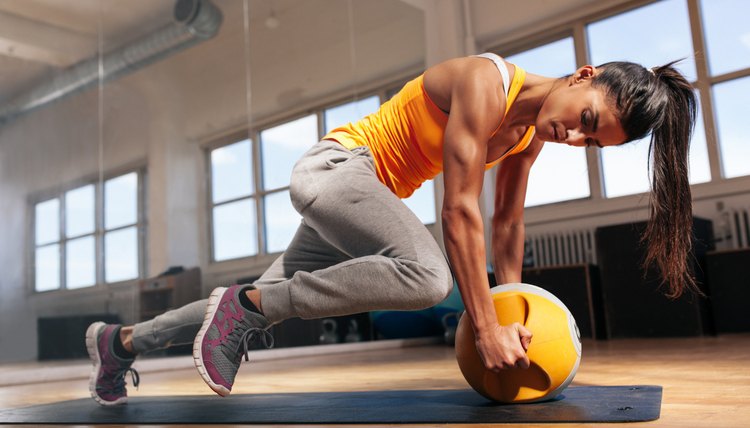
[
  {"x": 223, "y": 141},
  {"x": 99, "y": 232}
]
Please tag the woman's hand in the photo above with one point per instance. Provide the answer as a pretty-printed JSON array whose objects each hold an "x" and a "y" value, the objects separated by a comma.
[{"x": 504, "y": 347}]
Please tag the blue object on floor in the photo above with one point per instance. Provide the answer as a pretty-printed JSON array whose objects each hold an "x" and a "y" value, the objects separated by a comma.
[
  {"x": 575, "y": 405},
  {"x": 422, "y": 323}
]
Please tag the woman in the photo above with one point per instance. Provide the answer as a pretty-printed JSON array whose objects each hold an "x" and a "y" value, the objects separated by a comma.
[{"x": 359, "y": 248}]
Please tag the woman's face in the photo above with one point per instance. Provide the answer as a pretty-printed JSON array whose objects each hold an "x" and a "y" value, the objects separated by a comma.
[{"x": 579, "y": 115}]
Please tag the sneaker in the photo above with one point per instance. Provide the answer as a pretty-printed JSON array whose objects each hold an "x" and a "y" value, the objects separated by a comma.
[
  {"x": 107, "y": 379},
  {"x": 228, "y": 330}
]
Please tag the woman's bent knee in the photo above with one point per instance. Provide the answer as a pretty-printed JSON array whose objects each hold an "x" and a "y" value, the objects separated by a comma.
[{"x": 437, "y": 286}]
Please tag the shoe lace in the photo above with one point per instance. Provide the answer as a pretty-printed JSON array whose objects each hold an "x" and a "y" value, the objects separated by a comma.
[
  {"x": 134, "y": 376},
  {"x": 251, "y": 335},
  {"x": 118, "y": 380}
]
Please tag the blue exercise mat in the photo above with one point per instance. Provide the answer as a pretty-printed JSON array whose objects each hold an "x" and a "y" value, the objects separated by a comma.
[{"x": 576, "y": 404}]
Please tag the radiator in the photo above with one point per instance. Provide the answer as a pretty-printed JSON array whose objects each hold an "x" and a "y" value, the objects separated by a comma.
[
  {"x": 737, "y": 231},
  {"x": 565, "y": 248}
]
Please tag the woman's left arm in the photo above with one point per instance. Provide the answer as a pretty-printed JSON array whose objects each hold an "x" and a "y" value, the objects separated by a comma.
[{"x": 508, "y": 232}]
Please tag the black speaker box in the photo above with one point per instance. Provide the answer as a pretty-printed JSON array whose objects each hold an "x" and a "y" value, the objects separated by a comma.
[
  {"x": 634, "y": 304},
  {"x": 299, "y": 332},
  {"x": 578, "y": 287},
  {"x": 728, "y": 276},
  {"x": 65, "y": 337}
]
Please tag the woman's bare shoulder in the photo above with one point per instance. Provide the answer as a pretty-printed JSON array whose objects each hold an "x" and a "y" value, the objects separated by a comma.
[{"x": 441, "y": 79}]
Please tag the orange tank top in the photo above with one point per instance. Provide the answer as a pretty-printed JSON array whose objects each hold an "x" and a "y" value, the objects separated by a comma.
[{"x": 405, "y": 135}]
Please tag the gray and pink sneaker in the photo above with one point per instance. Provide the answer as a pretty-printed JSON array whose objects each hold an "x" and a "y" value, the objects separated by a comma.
[
  {"x": 227, "y": 332},
  {"x": 107, "y": 379}
]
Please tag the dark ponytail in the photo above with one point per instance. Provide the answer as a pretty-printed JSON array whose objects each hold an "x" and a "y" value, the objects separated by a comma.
[{"x": 661, "y": 101}]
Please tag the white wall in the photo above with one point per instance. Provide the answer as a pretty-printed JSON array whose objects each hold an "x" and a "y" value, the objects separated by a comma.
[{"x": 56, "y": 147}]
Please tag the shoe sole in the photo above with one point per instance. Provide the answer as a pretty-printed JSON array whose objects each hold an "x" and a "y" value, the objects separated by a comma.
[
  {"x": 213, "y": 304},
  {"x": 92, "y": 347}
]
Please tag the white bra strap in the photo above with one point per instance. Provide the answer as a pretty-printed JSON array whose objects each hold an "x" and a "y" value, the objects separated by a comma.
[{"x": 501, "y": 67}]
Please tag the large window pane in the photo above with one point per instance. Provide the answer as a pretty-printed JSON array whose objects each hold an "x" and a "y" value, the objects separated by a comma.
[
  {"x": 556, "y": 59},
  {"x": 624, "y": 168},
  {"x": 235, "y": 232},
  {"x": 121, "y": 253},
  {"x": 730, "y": 103},
  {"x": 47, "y": 271},
  {"x": 79, "y": 211},
  {"x": 350, "y": 112},
  {"x": 700, "y": 169},
  {"x": 650, "y": 35},
  {"x": 727, "y": 34},
  {"x": 121, "y": 201},
  {"x": 282, "y": 221},
  {"x": 282, "y": 146},
  {"x": 560, "y": 173},
  {"x": 47, "y": 221},
  {"x": 80, "y": 269},
  {"x": 422, "y": 202},
  {"x": 622, "y": 38},
  {"x": 231, "y": 172}
]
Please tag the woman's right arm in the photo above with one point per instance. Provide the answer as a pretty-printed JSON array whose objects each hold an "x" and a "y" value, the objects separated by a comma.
[{"x": 475, "y": 111}]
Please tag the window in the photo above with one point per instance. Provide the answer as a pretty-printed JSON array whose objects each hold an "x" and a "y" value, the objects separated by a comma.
[
  {"x": 730, "y": 103},
  {"x": 236, "y": 197},
  {"x": 234, "y": 224},
  {"x": 69, "y": 230},
  {"x": 350, "y": 112},
  {"x": 621, "y": 37},
  {"x": 80, "y": 260},
  {"x": 699, "y": 170},
  {"x": 727, "y": 38},
  {"x": 281, "y": 147},
  {"x": 644, "y": 36},
  {"x": 555, "y": 59},
  {"x": 231, "y": 172},
  {"x": 235, "y": 233},
  {"x": 727, "y": 35},
  {"x": 47, "y": 238},
  {"x": 121, "y": 228},
  {"x": 625, "y": 166},
  {"x": 560, "y": 173},
  {"x": 422, "y": 202},
  {"x": 282, "y": 221}
]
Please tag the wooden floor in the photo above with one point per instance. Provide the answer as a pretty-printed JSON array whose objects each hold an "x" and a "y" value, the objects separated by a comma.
[{"x": 706, "y": 381}]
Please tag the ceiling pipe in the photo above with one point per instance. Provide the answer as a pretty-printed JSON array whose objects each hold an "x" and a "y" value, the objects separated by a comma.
[{"x": 194, "y": 21}]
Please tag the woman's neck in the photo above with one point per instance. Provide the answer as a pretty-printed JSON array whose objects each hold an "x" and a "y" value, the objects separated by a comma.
[{"x": 530, "y": 98}]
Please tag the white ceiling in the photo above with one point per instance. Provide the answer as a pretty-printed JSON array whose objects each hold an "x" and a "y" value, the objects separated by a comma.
[{"x": 41, "y": 37}]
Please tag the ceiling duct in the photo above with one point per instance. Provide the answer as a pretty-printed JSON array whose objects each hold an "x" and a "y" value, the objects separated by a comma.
[{"x": 194, "y": 22}]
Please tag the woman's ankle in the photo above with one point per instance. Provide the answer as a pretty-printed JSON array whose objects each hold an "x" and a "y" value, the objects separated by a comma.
[{"x": 126, "y": 339}]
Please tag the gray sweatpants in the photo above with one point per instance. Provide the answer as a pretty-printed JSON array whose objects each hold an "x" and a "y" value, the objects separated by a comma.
[{"x": 358, "y": 248}]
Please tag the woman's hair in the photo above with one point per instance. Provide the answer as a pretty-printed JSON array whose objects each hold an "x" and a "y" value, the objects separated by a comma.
[{"x": 661, "y": 101}]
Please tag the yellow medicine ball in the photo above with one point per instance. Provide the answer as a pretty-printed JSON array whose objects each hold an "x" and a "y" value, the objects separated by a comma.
[{"x": 554, "y": 353}]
